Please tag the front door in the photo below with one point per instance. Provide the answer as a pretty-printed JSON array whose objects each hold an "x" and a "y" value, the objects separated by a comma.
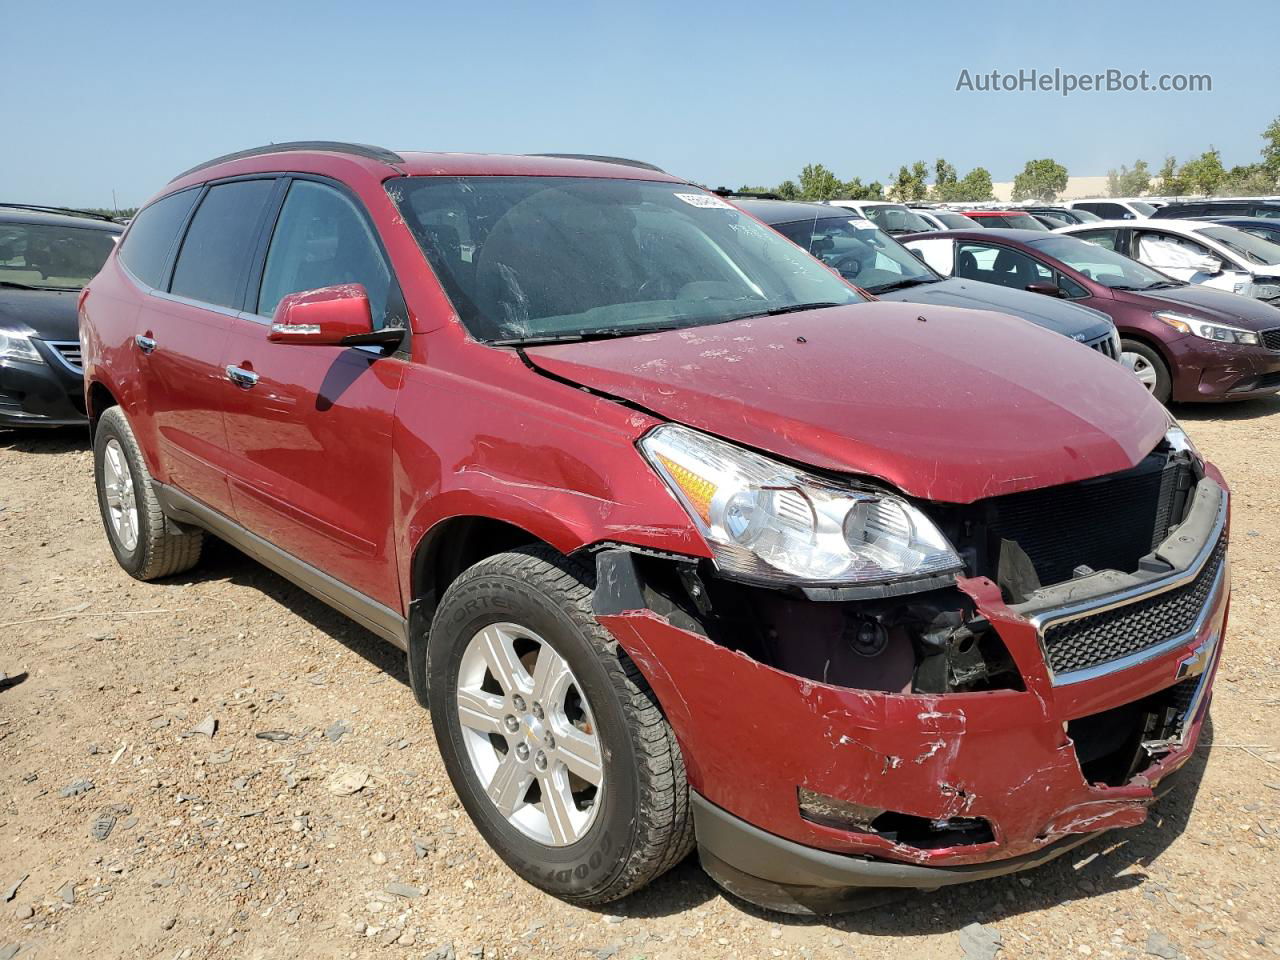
[{"x": 309, "y": 428}]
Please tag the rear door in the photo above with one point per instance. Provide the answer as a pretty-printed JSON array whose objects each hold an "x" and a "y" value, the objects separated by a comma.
[
  {"x": 310, "y": 439},
  {"x": 182, "y": 330}
]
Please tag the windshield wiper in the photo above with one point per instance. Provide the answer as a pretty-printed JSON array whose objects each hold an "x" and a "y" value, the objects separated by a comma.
[
  {"x": 902, "y": 284},
  {"x": 1162, "y": 285},
  {"x": 793, "y": 308},
  {"x": 578, "y": 336},
  {"x": 16, "y": 285}
]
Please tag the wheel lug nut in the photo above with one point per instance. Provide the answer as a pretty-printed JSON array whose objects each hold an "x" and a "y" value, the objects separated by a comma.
[
  {"x": 518, "y": 702},
  {"x": 511, "y": 723},
  {"x": 550, "y": 741},
  {"x": 537, "y": 710},
  {"x": 522, "y": 752},
  {"x": 540, "y": 761}
]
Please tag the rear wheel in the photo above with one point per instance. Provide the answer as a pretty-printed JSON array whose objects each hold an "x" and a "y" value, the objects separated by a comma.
[
  {"x": 550, "y": 734},
  {"x": 146, "y": 543},
  {"x": 1149, "y": 367}
]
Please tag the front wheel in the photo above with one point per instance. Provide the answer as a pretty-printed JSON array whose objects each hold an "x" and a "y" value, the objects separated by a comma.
[
  {"x": 1149, "y": 367},
  {"x": 551, "y": 736},
  {"x": 146, "y": 542}
]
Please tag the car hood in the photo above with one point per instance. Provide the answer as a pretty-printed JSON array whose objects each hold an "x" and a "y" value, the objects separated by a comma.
[
  {"x": 1071, "y": 320},
  {"x": 1212, "y": 304},
  {"x": 47, "y": 314},
  {"x": 943, "y": 403}
]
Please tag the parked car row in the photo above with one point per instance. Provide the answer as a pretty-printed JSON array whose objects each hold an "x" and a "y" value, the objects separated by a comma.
[{"x": 624, "y": 467}]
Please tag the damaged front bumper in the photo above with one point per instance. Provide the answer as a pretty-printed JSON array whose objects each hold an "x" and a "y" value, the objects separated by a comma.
[{"x": 805, "y": 791}]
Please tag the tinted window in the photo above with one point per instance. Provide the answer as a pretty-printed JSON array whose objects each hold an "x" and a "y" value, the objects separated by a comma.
[
  {"x": 152, "y": 235},
  {"x": 1099, "y": 263},
  {"x": 1000, "y": 265},
  {"x": 895, "y": 219},
  {"x": 50, "y": 256},
  {"x": 1104, "y": 238},
  {"x": 216, "y": 250},
  {"x": 321, "y": 240},
  {"x": 871, "y": 259},
  {"x": 956, "y": 221}
]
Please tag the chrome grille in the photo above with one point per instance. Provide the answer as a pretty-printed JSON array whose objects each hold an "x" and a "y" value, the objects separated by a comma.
[
  {"x": 1271, "y": 338},
  {"x": 1099, "y": 638},
  {"x": 69, "y": 352},
  {"x": 1105, "y": 346}
]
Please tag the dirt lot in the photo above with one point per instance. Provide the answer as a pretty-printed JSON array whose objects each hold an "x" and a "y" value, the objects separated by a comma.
[{"x": 237, "y": 846}]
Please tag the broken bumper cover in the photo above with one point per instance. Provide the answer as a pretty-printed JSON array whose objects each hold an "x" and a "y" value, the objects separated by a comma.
[{"x": 753, "y": 737}]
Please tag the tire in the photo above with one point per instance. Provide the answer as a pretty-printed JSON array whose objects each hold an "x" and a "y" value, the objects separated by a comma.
[
  {"x": 1149, "y": 361},
  {"x": 638, "y": 820},
  {"x": 159, "y": 547}
]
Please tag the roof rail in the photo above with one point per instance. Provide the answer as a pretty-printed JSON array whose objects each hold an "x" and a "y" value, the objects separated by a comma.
[
  {"x": 328, "y": 146},
  {"x": 71, "y": 211},
  {"x": 621, "y": 161},
  {"x": 745, "y": 194}
]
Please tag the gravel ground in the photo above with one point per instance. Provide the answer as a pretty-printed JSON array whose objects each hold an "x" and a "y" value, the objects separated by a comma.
[{"x": 317, "y": 820}]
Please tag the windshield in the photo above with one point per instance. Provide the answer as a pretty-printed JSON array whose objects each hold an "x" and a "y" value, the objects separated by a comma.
[
  {"x": 1252, "y": 248},
  {"x": 1101, "y": 265},
  {"x": 894, "y": 219},
  {"x": 1084, "y": 216},
  {"x": 859, "y": 252},
  {"x": 50, "y": 256},
  {"x": 956, "y": 221},
  {"x": 1145, "y": 209},
  {"x": 528, "y": 259}
]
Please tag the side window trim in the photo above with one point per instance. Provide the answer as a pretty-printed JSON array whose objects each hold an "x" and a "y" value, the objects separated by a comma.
[
  {"x": 171, "y": 255},
  {"x": 166, "y": 278},
  {"x": 396, "y": 305}
]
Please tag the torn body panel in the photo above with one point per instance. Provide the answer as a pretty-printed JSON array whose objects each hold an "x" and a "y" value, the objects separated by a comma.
[{"x": 944, "y": 779}]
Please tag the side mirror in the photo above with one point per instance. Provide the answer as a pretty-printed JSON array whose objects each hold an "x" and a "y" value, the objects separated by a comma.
[
  {"x": 1046, "y": 287},
  {"x": 336, "y": 316},
  {"x": 1210, "y": 265}
]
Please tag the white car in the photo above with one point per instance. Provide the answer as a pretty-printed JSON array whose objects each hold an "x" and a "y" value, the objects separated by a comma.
[
  {"x": 1115, "y": 208},
  {"x": 1196, "y": 251},
  {"x": 892, "y": 218},
  {"x": 939, "y": 219}
]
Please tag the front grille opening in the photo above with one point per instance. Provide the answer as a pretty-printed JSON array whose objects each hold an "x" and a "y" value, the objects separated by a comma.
[
  {"x": 1123, "y": 631},
  {"x": 1116, "y": 745},
  {"x": 922, "y": 833},
  {"x": 1107, "y": 523}
]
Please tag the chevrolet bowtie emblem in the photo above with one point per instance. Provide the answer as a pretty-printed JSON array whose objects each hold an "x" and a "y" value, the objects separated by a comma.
[{"x": 1195, "y": 662}]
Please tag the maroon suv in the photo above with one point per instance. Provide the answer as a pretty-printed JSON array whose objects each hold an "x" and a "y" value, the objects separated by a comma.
[
  {"x": 1185, "y": 341},
  {"x": 686, "y": 542}
]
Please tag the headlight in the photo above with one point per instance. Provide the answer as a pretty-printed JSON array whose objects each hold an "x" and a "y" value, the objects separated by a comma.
[
  {"x": 1177, "y": 438},
  {"x": 766, "y": 520},
  {"x": 1209, "y": 331},
  {"x": 17, "y": 346}
]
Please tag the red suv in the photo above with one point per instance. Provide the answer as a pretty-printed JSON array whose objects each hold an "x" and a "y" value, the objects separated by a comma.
[{"x": 686, "y": 542}]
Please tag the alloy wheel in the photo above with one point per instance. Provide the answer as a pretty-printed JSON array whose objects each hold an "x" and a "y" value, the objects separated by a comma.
[
  {"x": 122, "y": 507},
  {"x": 530, "y": 734}
]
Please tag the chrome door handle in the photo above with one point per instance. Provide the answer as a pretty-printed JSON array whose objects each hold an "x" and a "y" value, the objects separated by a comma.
[
  {"x": 244, "y": 379},
  {"x": 145, "y": 344}
]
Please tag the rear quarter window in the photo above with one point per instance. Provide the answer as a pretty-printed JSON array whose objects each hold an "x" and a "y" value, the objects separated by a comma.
[{"x": 146, "y": 247}]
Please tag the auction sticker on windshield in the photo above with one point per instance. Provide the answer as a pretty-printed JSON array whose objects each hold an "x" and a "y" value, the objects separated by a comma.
[{"x": 703, "y": 200}]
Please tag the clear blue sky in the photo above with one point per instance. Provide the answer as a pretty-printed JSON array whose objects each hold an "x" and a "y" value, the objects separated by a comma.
[{"x": 117, "y": 94}]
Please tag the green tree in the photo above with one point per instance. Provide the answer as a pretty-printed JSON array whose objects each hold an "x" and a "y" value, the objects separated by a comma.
[
  {"x": 1113, "y": 184},
  {"x": 1040, "y": 180},
  {"x": 910, "y": 184},
  {"x": 1171, "y": 185},
  {"x": 1135, "y": 182},
  {"x": 819, "y": 183},
  {"x": 1250, "y": 180},
  {"x": 788, "y": 190},
  {"x": 944, "y": 175},
  {"x": 975, "y": 186},
  {"x": 1205, "y": 172},
  {"x": 1271, "y": 149}
]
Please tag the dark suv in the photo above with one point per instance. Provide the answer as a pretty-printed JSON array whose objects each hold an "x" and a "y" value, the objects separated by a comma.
[
  {"x": 46, "y": 255},
  {"x": 686, "y": 542}
]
